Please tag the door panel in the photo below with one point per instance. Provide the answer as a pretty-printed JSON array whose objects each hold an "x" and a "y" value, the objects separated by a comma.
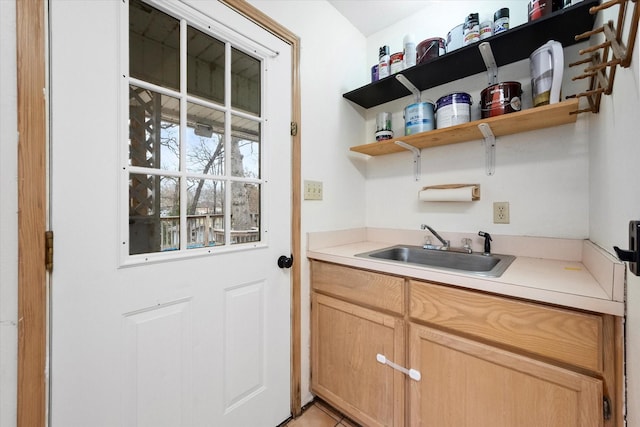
[
  {"x": 199, "y": 339},
  {"x": 244, "y": 343},
  {"x": 157, "y": 354}
]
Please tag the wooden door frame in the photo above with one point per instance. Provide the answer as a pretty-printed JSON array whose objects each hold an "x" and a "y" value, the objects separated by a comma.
[
  {"x": 32, "y": 212},
  {"x": 32, "y": 206}
]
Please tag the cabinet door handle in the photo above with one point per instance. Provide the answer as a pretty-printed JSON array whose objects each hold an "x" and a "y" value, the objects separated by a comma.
[{"x": 413, "y": 374}]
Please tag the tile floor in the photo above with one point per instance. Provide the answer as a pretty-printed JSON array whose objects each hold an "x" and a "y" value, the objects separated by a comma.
[{"x": 320, "y": 414}]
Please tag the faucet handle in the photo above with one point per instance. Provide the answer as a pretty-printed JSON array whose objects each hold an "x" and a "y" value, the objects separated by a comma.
[{"x": 466, "y": 244}]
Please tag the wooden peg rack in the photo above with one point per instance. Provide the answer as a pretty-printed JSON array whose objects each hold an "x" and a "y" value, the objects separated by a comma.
[{"x": 603, "y": 58}]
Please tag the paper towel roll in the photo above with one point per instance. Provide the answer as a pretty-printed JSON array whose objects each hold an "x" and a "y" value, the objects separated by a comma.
[{"x": 460, "y": 194}]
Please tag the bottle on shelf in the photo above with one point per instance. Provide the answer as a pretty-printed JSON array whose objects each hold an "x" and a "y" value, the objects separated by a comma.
[
  {"x": 383, "y": 64},
  {"x": 410, "y": 54}
]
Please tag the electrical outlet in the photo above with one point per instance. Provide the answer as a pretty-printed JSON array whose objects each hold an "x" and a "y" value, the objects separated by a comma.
[
  {"x": 501, "y": 212},
  {"x": 312, "y": 190}
]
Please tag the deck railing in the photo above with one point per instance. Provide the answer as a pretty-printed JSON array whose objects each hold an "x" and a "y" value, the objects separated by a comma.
[{"x": 202, "y": 231}]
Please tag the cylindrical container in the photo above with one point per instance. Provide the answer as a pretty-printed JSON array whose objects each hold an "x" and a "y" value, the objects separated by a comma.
[
  {"x": 418, "y": 118},
  {"x": 538, "y": 8},
  {"x": 501, "y": 20},
  {"x": 409, "y": 52},
  {"x": 430, "y": 49},
  {"x": 396, "y": 63},
  {"x": 454, "y": 38},
  {"x": 471, "y": 30},
  {"x": 383, "y": 64},
  {"x": 383, "y": 126},
  {"x": 501, "y": 98},
  {"x": 486, "y": 29},
  {"x": 374, "y": 73},
  {"x": 453, "y": 109},
  {"x": 568, "y": 3}
]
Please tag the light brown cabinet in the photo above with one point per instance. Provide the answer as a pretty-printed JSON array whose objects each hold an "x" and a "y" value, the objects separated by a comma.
[
  {"x": 485, "y": 360},
  {"x": 346, "y": 340},
  {"x": 468, "y": 383},
  {"x": 347, "y": 337}
]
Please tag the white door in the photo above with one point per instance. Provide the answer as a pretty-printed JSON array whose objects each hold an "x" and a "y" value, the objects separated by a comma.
[{"x": 167, "y": 304}]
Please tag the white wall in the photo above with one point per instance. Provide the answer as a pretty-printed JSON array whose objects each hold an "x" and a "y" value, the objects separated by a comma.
[
  {"x": 331, "y": 56},
  {"x": 8, "y": 215},
  {"x": 615, "y": 199}
]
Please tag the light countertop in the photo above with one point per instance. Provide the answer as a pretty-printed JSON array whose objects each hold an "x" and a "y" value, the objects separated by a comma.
[{"x": 570, "y": 273}]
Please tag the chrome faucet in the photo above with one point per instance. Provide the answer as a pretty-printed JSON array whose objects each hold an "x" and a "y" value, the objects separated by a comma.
[{"x": 446, "y": 244}]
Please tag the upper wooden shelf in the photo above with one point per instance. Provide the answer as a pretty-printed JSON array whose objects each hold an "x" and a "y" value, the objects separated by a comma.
[
  {"x": 510, "y": 46},
  {"x": 507, "y": 124}
]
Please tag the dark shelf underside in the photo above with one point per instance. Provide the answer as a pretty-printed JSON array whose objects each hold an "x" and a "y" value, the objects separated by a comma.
[{"x": 511, "y": 46}]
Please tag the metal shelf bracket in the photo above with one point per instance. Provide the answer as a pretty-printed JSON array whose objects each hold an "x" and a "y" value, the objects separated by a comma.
[
  {"x": 407, "y": 83},
  {"x": 490, "y": 148},
  {"x": 489, "y": 62},
  {"x": 416, "y": 157}
]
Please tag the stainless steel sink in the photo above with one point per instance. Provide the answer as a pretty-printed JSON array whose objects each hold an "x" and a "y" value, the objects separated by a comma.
[{"x": 475, "y": 263}]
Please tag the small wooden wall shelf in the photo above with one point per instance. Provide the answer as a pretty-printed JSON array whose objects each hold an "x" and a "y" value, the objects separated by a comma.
[{"x": 507, "y": 124}]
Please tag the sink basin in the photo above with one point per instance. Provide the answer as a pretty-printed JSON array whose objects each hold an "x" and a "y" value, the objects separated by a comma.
[{"x": 475, "y": 263}]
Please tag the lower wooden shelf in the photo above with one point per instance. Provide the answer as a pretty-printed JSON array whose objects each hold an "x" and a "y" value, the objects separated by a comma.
[{"x": 507, "y": 124}]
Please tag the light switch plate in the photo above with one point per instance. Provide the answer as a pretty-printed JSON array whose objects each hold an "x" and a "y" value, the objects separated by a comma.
[{"x": 312, "y": 190}]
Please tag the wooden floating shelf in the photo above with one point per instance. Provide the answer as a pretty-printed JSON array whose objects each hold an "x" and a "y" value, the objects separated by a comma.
[{"x": 507, "y": 124}]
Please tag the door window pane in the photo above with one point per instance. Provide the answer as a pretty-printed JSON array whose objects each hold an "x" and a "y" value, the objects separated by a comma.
[
  {"x": 245, "y": 147},
  {"x": 245, "y": 82},
  {"x": 205, "y": 66},
  {"x": 205, "y": 140},
  {"x": 205, "y": 213},
  {"x": 245, "y": 212},
  {"x": 154, "y": 45},
  {"x": 154, "y": 213},
  {"x": 154, "y": 130},
  {"x": 196, "y": 157}
]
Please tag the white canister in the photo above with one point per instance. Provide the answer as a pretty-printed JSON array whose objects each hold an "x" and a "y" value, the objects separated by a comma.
[
  {"x": 471, "y": 29},
  {"x": 419, "y": 117},
  {"x": 501, "y": 20},
  {"x": 486, "y": 29},
  {"x": 396, "y": 63},
  {"x": 409, "y": 52},
  {"x": 384, "y": 129},
  {"x": 453, "y": 109},
  {"x": 454, "y": 38}
]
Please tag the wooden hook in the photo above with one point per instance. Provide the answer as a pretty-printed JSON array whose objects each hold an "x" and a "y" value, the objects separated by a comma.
[
  {"x": 583, "y": 76},
  {"x": 589, "y": 33},
  {"x": 606, "y": 5},
  {"x": 594, "y": 48}
]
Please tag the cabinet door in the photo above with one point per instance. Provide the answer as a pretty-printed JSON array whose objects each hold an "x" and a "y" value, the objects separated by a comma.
[
  {"x": 467, "y": 383},
  {"x": 345, "y": 341}
]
